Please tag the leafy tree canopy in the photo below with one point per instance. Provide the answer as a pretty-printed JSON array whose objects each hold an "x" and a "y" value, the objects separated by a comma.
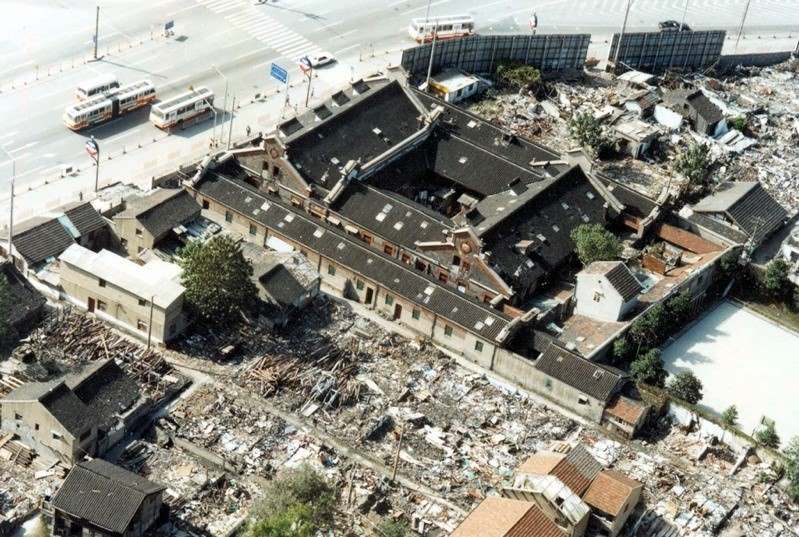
[
  {"x": 686, "y": 386},
  {"x": 648, "y": 368},
  {"x": 594, "y": 243}
]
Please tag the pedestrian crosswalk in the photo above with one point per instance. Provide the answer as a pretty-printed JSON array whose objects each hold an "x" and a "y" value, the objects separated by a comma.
[{"x": 250, "y": 18}]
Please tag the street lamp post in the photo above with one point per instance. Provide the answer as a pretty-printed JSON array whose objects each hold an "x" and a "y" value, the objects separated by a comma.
[
  {"x": 621, "y": 35},
  {"x": 232, "y": 112},
  {"x": 741, "y": 29},
  {"x": 224, "y": 106},
  {"x": 11, "y": 202},
  {"x": 96, "y": 31},
  {"x": 213, "y": 109}
]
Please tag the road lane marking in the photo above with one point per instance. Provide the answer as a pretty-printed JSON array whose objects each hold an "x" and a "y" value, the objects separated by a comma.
[
  {"x": 23, "y": 147},
  {"x": 8, "y": 135},
  {"x": 345, "y": 49},
  {"x": 420, "y": 8},
  {"x": 350, "y": 32},
  {"x": 326, "y": 26},
  {"x": 120, "y": 136}
]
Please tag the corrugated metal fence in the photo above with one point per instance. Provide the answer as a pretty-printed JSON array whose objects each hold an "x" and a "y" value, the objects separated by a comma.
[
  {"x": 658, "y": 51},
  {"x": 481, "y": 54}
]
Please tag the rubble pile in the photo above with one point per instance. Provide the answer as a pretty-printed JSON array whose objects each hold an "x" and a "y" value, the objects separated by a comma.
[
  {"x": 690, "y": 489},
  {"x": 72, "y": 339},
  {"x": 21, "y": 491},
  {"x": 769, "y": 98},
  {"x": 202, "y": 500}
]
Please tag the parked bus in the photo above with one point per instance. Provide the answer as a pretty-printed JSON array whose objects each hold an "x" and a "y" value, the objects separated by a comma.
[
  {"x": 96, "y": 110},
  {"x": 98, "y": 86},
  {"x": 447, "y": 27},
  {"x": 171, "y": 112}
]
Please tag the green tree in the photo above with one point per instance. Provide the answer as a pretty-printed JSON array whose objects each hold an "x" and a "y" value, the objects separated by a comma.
[
  {"x": 767, "y": 435},
  {"x": 595, "y": 243},
  {"x": 776, "y": 278},
  {"x": 649, "y": 329},
  {"x": 730, "y": 416},
  {"x": 729, "y": 262},
  {"x": 302, "y": 486},
  {"x": 586, "y": 130},
  {"x": 217, "y": 279},
  {"x": 685, "y": 386},
  {"x": 738, "y": 123},
  {"x": 622, "y": 350},
  {"x": 678, "y": 309},
  {"x": 792, "y": 467},
  {"x": 517, "y": 75},
  {"x": 392, "y": 528},
  {"x": 295, "y": 521},
  {"x": 648, "y": 368},
  {"x": 694, "y": 163}
]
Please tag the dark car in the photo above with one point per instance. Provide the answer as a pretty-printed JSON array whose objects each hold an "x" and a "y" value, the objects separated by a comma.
[{"x": 673, "y": 26}]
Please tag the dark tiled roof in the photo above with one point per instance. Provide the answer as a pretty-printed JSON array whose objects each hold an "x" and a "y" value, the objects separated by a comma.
[
  {"x": 44, "y": 241},
  {"x": 577, "y": 470},
  {"x": 67, "y": 409},
  {"x": 281, "y": 286},
  {"x": 332, "y": 243},
  {"x": 105, "y": 495},
  {"x": 42, "y": 238},
  {"x": 634, "y": 202},
  {"x": 552, "y": 215},
  {"x": 698, "y": 101},
  {"x": 749, "y": 207},
  {"x": 162, "y": 211},
  {"x": 585, "y": 376},
  {"x": 84, "y": 217},
  {"x": 397, "y": 219},
  {"x": 619, "y": 276},
  {"x": 350, "y": 133},
  {"x": 105, "y": 389},
  {"x": 25, "y": 302},
  {"x": 723, "y": 229}
]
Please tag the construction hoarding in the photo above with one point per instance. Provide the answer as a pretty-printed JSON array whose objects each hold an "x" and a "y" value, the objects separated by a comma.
[
  {"x": 481, "y": 54},
  {"x": 659, "y": 51}
]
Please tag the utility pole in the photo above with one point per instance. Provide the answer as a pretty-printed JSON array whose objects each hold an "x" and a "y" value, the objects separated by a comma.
[
  {"x": 432, "y": 54},
  {"x": 93, "y": 149},
  {"x": 150, "y": 324},
  {"x": 96, "y": 31},
  {"x": 308, "y": 92},
  {"x": 621, "y": 35},
  {"x": 676, "y": 37},
  {"x": 741, "y": 29},
  {"x": 232, "y": 112},
  {"x": 427, "y": 15},
  {"x": 684, "y": 13},
  {"x": 224, "y": 106}
]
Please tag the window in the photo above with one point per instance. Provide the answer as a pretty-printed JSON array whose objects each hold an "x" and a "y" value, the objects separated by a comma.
[
  {"x": 331, "y": 269},
  {"x": 597, "y": 296},
  {"x": 406, "y": 259},
  {"x": 56, "y": 436},
  {"x": 582, "y": 400},
  {"x": 17, "y": 416},
  {"x": 366, "y": 238},
  {"x": 466, "y": 266},
  {"x": 253, "y": 229},
  {"x": 228, "y": 216},
  {"x": 206, "y": 204},
  {"x": 416, "y": 314},
  {"x": 548, "y": 383},
  {"x": 35, "y": 426},
  {"x": 123, "y": 242},
  {"x": 142, "y": 302},
  {"x": 389, "y": 300},
  {"x": 478, "y": 346},
  {"x": 447, "y": 330},
  {"x": 139, "y": 249},
  {"x": 102, "y": 306},
  {"x": 101, "y": 282},
  {"x": 141, "y": 326},
  {"x": 442, "y": 277},
  {"x": 138, "y": 232},
  {"x": 359, "y": 285},
  {"x": 388, "y": 249}
]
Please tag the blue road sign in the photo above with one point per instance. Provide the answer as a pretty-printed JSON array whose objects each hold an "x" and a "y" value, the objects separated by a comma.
[{"x": 279, "y": 73}]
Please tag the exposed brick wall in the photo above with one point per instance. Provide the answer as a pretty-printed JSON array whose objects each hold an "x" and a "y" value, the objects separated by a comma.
[{"x": 685, "y": 239}]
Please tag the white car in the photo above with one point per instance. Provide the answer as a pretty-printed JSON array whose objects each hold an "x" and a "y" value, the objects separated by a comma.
[{"x": 323, "y": 58}]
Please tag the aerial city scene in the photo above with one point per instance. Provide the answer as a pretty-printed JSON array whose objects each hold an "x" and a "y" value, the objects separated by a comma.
[{"x": 399, "y": 268}]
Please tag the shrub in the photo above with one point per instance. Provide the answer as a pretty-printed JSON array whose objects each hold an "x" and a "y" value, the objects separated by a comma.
[
  {"x": 775, "y": 281},
  {"x": 302, "y": 486},
  {"x": 767, "y": 436},
  {"x": 295, "y": 521},
  {"x": 517, "y": 75},
  {"x": 694, "y": 163},
  {"x": 730, "y": 416},
  {"x": 392, "y": 528},
  {"x": 588, "y": 132}
]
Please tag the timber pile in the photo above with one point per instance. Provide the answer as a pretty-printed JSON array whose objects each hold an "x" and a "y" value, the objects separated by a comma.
[
  {"x": 325, "y": 375},
  {"x": 71, "y": 337}
]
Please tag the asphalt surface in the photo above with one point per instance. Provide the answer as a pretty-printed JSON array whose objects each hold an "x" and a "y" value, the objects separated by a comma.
[{"x": 44, "y": 47}]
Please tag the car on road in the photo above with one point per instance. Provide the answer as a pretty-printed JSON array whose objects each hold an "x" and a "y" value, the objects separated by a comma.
[
  {"x": 321, "y": 59},
  {"x": 673, "y": 26}
]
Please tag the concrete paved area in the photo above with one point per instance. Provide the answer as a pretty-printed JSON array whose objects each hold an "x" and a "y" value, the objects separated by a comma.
[{"x": 746, "y": 360}]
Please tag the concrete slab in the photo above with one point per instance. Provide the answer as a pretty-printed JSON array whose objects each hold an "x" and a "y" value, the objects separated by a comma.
[{"x": 742, "y": 359}]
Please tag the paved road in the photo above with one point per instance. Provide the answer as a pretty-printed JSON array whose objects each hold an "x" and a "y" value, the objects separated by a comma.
[{"x": 43, "y": 46}]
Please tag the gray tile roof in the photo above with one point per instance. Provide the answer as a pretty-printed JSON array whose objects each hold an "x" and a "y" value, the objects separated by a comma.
[
  {"x": 27, "y": 301},
  {"x": 332, "y": 243},
  {"x": 588, "y": 377},
  {"x": 162, "y": 211},
  {"x": 60, "y": 401},
  {"x": 43, "y": 238},
  {"x": 103, "y": 494},
  {"x": 281, "y": 286},
  {"x": 619, "y": 276},
  {"x": 748, "y": 206},
  {"x": 105, "y": 389}
]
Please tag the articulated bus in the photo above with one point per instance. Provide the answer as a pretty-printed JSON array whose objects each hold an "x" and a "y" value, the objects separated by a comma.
[
  {"x": 98, "y": 86},
  {"x": 101, "y": 108},
  {"x": 171, "y": 112},
  {"x": 447, "y": 27}
]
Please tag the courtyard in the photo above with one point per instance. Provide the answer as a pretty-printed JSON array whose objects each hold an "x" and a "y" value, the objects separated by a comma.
[{"x": 745, "y": 360}]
